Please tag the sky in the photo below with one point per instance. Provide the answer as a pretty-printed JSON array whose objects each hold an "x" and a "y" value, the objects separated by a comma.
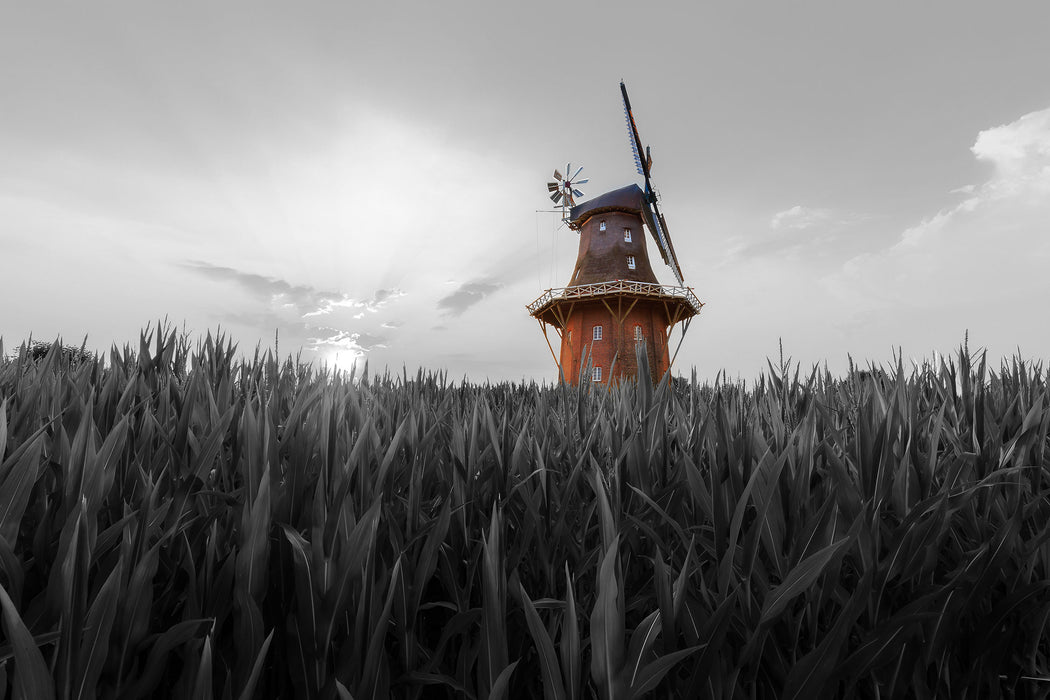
[{"x": 368, "y": 181}]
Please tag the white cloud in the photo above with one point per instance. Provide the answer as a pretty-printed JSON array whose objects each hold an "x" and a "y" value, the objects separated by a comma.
[
  {"x": 801, "y": 231},
  {"x": 799, "y": 217},
  {"x": 980, "y": 263},
  {"x": 1019, "y": 148}
]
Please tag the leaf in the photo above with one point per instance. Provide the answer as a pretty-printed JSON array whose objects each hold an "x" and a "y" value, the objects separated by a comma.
[
  {"x": 3, "y": 423},
  {"x": 94, "y": 649},
  {"x": 11, "y": 568},
  {"x": 341, "y": 691},
  {"x": 105, "y": 460},
  {"x": 642, "y": 640},
  {"x": 650, "y": 676},
  {"x": 202, "y": 688},
  {"x": 32, "y": 679},
  {"x": 388, "y": 458},
  {"x": 664, "y": 597},
  {"x": 502, "y": 682},
  {"x": 137, "y": 603},
  {"x": 375, "y": 658},
  {"x": 212, "y": 444},
  {"x": 254, "y": 549},
  {"x": 811, "y": 674},
  {"x": 801, "y": 578},
  {"x": 549, "y": 667},
  {"x": 607, "y": 650},
  {"x": 493, "y": 650},
  {"x": 569, "y": 645},
  {"x": 17, "y": 476},
  {"x": 607, "y": 520},
  {"x": 175, "y": 636},
  {"x": 248, "y": 692}
]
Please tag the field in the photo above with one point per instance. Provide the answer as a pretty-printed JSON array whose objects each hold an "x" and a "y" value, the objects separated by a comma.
[{"x": 177, "y": 522}]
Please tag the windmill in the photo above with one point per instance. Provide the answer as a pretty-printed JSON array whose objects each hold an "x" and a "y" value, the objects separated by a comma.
[
  {"x": 614, "y": 318},
  {"x": 564, "y": 190}
]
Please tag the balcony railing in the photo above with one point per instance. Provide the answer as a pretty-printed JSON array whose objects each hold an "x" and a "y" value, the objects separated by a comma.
[{"x": 583, "y": 291}]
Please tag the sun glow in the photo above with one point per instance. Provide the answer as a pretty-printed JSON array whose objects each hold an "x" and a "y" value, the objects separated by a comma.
[{"x": 341, "y": 360}]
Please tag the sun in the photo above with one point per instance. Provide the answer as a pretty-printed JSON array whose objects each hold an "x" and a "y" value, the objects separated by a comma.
[{"x": 342, "y": 360}]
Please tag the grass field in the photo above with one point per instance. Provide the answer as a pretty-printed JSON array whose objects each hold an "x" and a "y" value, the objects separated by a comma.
[{"x": 177, "y": 522}]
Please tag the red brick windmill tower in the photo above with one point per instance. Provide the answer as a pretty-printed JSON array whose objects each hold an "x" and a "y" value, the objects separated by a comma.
[{"x": 613, "y": 304}]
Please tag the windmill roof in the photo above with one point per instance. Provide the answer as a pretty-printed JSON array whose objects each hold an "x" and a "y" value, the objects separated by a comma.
[{"x": 629, "y": 198}]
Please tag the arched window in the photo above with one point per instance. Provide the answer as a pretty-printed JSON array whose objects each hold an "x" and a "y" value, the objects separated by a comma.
[
  {"x": 601, "y": 225},
  {"x": 596, "y": 374},
  {"x": 627, "y": 235},
  {"x": 597, "y": 333},
  {"x": 630, "y": 262},
  {"x": 638, "y": 334}
]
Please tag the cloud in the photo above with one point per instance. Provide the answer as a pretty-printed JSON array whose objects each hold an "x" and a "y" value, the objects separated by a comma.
[
  {"x": 373, "y": 304},
  {"x": 1019, "y": 150},
  {"x": 466, "y": 296},
  {"x": 302, "y": 299},
  {"x": 979, "y": 262},
  {"x": 284, "y": 305},
  {"x": 798, "y": 232},
  {"x": 799, "y": 217},
  {"x": 354, "y": 341}
]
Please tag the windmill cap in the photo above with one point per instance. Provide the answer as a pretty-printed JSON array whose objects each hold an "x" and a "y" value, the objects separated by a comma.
[{"x": 629, "y": 199}]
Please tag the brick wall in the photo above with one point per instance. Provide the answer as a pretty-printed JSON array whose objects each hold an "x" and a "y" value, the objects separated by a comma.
[{"x": 578, "y": 344}]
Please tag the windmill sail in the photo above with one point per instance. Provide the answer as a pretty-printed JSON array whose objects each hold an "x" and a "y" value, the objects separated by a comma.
[{"x": 653, "y": 218}]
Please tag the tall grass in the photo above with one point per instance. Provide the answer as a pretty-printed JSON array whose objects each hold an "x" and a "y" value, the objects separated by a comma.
[{"x": 178, "y": 522}]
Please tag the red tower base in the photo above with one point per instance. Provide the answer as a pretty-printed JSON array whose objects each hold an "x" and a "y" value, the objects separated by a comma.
[{"x": 601, "y": 326}]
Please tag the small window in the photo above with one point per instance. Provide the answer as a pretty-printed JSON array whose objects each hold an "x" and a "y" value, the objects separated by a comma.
[
  {"x": 630, "y": 262},
  {"x": 601, "y": 226},
  {"x": 597, "y": 333},
  {"x": 596, "y": 374},
  {"x": 627, "y": 235},
  {"x": 638, "y": 334}
]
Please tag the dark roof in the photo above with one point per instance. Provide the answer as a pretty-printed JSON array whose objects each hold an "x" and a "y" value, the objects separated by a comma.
[{"x": 630, "y": 199}]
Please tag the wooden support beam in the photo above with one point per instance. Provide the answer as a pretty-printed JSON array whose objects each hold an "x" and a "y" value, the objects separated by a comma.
[
  {"x": 545, "y": 337},
  {"x": 685, "y": 328}
]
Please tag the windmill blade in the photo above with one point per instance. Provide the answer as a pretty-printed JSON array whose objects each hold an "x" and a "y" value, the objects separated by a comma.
[
  {"x": 551, "y": 186},
  {"x": 557, "y": 175},
  {"x": 658, "y": 228},
  {"x": 675, "y": 267},
  {"x": 578, "y": 171},
  {"x": 655, "y": 220},
  {"x": 556, "y": 197},
  {"x": 577, "y": 193},
  {"x": 636, "y": 140},
  {"x": 584, "y": 181}
]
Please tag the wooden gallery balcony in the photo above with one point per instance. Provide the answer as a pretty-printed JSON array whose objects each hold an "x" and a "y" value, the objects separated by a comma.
[{"x": 681, "y": 303}]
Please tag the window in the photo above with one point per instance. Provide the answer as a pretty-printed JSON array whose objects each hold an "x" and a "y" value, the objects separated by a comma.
[
  {"x": 601, "y": 226},
  {"x": 596, "y": 374},
  {"x": 597, "y": 333},
  {"x": 638, "y": 334},
  {"x": 630, "y": 262},
  {"x": 627, "y": 235}
]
